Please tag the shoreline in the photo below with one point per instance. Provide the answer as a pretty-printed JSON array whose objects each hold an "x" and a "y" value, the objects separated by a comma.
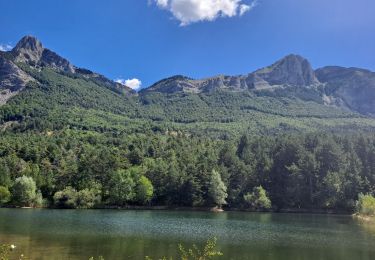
[
  {"x": 209, "y": 209},
  {"x": 363, "y": 218}
]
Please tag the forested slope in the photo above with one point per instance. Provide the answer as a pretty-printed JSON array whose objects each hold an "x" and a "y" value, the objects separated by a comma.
[{"x": 85, "y": 141}]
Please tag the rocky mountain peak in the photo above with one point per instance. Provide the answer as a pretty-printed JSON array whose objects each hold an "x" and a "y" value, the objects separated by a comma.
[
  {"x": 292, "y": 70},
  {"x": 29, "y": 49},
  {"x": 30, "y": 43}
]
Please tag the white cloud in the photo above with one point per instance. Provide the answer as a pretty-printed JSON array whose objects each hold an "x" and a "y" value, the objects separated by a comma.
[
  {"x": 191, "y": 11},
  {"x": 5, "y": 47},
  {"x": 244, "y": 9},
  {"x": 135, "y": 84},
  {"x": 162, "y": 3}
]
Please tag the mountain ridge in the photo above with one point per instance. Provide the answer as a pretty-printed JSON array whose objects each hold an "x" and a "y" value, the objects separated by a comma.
[
  {"x": 29, "y": 51},
  {"x": 347, "y": 88}
]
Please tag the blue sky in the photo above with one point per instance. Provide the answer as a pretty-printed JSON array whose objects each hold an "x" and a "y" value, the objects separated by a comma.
[{"x": 153, "y": 39}]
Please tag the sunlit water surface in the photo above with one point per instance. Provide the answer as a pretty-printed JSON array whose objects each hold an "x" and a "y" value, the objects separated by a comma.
[{"x": 116, "y": 234}]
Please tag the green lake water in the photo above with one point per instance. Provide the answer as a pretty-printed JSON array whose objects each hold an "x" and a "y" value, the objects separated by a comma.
[{"x": 117, "y": 234}]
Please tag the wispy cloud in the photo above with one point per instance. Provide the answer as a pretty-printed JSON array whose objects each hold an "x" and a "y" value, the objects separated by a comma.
[
  {"x": 134, "y": 83},
  {"x": 191, "y": 11},
  {"x": 5, "y": 47}
]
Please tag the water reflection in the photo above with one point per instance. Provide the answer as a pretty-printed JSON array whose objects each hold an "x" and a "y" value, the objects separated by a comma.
[{"x": 75, "y": 234}]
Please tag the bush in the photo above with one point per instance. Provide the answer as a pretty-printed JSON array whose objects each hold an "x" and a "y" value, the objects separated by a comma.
[
  {"x": 67, "y": 198},
  {"x": 258, "y": 200},
  {"x": 122, "y": 187},
  {"x": 24, "y": 192},
  {"x": 144, "y": 190},
  {"x": 5, "y": 195},
  {"x": 70, "y": 198},
  {"x": 87, "y": 199},
  {"x": 366, "y": 205}
]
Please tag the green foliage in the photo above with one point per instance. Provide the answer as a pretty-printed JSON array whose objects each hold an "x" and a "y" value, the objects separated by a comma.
[
  {"x": 24, "y": 192},
  {"x": 144, "y": 190},
  {"x": 69, "y": 198},
  {"x": 5, "y": 252},
  {"x": 122, "y": 187},
  {"x": 207, "y": 252},
  {"x": 66, "y": 198},
  {"x": 366, "y": 205},
  {"x": 5, "y": 195},
  {"x": 88, "y": 198},
  {"x": 217, "y": 189},
  {"x": 258, "y": 199}
]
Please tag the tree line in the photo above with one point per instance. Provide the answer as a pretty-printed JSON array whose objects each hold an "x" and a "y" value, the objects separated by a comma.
[{"x": 85, "y": 169}]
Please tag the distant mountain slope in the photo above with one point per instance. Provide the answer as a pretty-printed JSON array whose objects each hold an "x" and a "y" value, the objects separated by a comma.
[
  {"x": 30, "y": 53},
  {"x": 348, "y": 88},
  {"x": 39, "y": 90},
  {"x": 353, "y": 88},
  {"x": 293, "y": 70}
]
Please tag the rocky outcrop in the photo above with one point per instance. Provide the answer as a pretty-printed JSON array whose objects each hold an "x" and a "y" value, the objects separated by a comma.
[
  {"x": 293, "y": 70},
  {"x": 31, "y": 51},
  {"x": 12, "y": 79},
  {"x": 353, "y": 88}
]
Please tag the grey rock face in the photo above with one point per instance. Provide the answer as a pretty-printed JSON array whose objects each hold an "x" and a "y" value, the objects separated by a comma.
[
  {"x": 31, "y": 51},
  {"x": 293, "y": 70},
  {"x": 28, "y": 50},
  {"x": 51, "y": 59},
  {"x": 12, "y": 79},
  {"x": 350, "y": 87}
]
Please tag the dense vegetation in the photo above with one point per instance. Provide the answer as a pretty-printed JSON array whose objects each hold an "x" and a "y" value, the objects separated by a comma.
[
  {"x": 84, "y": 169},
  {"x": 68, "y": 142},
  {"x": 366, "y": 205}
]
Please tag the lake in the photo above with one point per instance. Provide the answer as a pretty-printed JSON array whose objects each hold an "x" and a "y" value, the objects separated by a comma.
[{"x": 117, "y": 234}]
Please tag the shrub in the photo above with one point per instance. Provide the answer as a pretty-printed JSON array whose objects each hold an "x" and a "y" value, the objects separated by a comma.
[
  {"x": 67, "y": 198},
  {"x": 365, "y": 205},
  {"x": 70, "y": 198},
  {"x": 87, "y": 199},
  {"x": 144, "y": 190},
  {"x": 258, "y": 199},
  {"x": 122, "y": 187},
  {"x": 24, "y": 192},
  {"x": 5, "y": 195}
]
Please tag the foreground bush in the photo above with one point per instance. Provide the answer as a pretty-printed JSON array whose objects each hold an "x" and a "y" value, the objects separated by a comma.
[
  {"x": 195, "y": 253},
  {"x": 25, "y": 194},
  {"x": 5, "y": 195},
  {"x": 6, "y": 252},
  {"x": 366, "y": 205}
]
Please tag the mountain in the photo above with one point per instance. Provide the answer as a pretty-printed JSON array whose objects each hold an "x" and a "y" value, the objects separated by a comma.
[
  {"x": 293, "y": 70},
  {"x": 40, "y": 90},
  {"x": 78, "y": 134},
  {"x": 30, "y": 53},
  {"x": 353, "y": 88}
]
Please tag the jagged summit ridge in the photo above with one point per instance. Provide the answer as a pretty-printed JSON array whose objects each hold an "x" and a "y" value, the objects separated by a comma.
[
  {"x": 31, "y": 51},
  {"x": 292, "y": 70}
]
